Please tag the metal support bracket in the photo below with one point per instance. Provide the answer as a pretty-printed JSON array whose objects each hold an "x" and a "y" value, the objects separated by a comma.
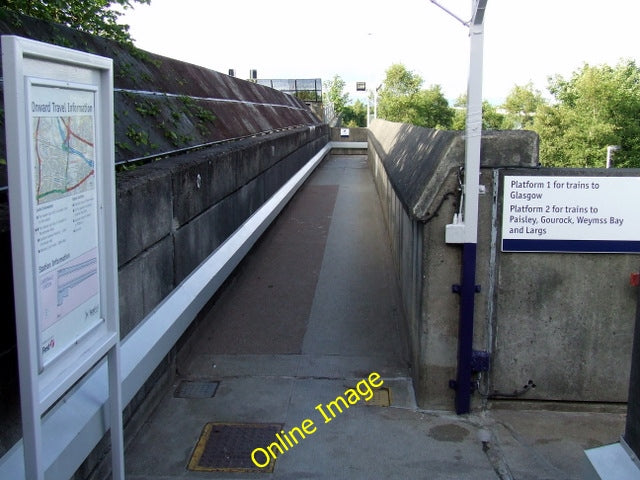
[
  {"x": 480, "y": 361},
  {"x": 453, "y": 385},
  {"x": 457, "y": 288}
]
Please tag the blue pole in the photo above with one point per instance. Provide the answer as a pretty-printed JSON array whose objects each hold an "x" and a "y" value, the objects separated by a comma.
[{"x": 465, "y": 328}]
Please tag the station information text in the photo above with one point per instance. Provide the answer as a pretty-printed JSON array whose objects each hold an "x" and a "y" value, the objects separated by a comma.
[{"x": 571, "y": 214}]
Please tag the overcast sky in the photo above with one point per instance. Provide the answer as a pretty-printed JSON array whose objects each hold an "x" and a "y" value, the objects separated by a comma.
[{"x": 359, "y": 39}]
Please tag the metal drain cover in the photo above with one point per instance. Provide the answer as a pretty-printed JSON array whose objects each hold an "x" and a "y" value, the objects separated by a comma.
[
  {"x": 381, "y": 397},
  {"x": 195, "y": 389},
  {"x": 227, "y": 447}
]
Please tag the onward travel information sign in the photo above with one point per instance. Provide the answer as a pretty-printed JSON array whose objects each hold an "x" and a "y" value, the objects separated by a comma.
[
  {"x": 62, "y": 139},
  {"x": 571, "y": 214}
]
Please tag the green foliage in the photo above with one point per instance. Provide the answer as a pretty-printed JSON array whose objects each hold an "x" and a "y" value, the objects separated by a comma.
[
  {"x": 596, "y": 107},
  {"x": 307, "y": 95},
  {"x": 492, "y": 119},
  {"x": 400, "y": 82},
  {"x": 97, "y": 17},
  {"x": 522, "y": 104},
  {"x": 401, "y": 99},
  {"x": 147, "y": 108},
  {"x": 355, "y": 115},
  {"x": 333, "y": 93},
  {"x": 137, "y": 135},
  {"x": 203, "y": 116}
]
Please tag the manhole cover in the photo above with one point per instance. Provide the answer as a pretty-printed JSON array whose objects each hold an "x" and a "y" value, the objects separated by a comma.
[
  {"x": 195, "y": 389},
  {"x": 227, "y": 447}
]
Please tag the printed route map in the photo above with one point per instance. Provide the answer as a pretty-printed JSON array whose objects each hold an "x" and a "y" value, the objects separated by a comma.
[{"x": 64, "y": 156}]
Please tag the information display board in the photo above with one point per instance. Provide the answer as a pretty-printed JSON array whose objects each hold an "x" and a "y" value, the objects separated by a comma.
[
  {"x": 64, "y": 197},
  {"x": 60, "y": 158},
  {"x": 571, "y": 214}
]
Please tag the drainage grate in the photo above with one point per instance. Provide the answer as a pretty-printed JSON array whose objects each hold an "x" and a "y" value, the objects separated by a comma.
[
  {"x": 381, "y": 397},
  {"x": 195, "y": 389},
  {"x": 227, "y": 447}
]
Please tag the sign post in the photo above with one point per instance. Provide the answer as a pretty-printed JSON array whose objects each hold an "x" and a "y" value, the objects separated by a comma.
[
  {"x": 60, "y": 137},
  {"x": 464, "y": 229}
]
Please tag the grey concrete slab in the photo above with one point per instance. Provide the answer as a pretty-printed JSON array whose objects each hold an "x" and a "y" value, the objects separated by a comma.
[
  {"x": 351, "y": 366},
  {"x": 267, "y": 308},
  {"x": 367, "y": 442},
  {"x": 164, "y": 445},
  {"x": 362, "y": 442},
  {"x": 213, "y": 365},
  {"x": 356, "y": 308},
  {"x": 543, "y": 444}
]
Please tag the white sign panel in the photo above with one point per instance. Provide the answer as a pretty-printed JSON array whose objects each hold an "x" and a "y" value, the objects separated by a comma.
[
  {"x": 63, "y": 162},
  {"x": 60, "y": 138},
  {"x": 571, "y": 214}
]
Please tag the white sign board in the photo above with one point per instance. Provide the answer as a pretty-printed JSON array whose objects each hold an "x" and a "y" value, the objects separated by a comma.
[
  {"x": 571, "y": 214},
  {"x": 65, "y": 213},
  {"x": 60, "y": 158}
]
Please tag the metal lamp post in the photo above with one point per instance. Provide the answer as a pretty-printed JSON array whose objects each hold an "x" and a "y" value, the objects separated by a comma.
[
  {"x": 464, "y": 229},
  {"x": 610, "y": 150}
]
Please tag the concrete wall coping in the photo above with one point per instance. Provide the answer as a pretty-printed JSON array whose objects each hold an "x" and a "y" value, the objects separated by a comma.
[{"x": 417, "y": 159}]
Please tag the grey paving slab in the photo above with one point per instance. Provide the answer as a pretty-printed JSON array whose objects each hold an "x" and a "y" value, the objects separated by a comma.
[
  {"x": 542, "y": 444},
  {"x": 367, "y": 442},
  {"x": 362, "y": 442},
  {"x": 165, "y": 443},
  {"x": 213, "y": 366},
  {"x": 356, "y": 309}
]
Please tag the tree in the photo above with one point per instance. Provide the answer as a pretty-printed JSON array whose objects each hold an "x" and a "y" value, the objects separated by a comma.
[
  {"x": 492, "y": 119},
  {"x": 400, "y": 82},
  {"x": 401, "y": 99},
  {"x": 521, "y": 105},
  {"x": 334, "y": 94},
  {"x": 596, "y": 107},
  {"x": 98, "y": 17},
  {"x": 355, "y": 115}
]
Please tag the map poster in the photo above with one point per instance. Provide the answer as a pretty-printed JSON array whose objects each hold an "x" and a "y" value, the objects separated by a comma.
[{"x": 62, "y": 123}]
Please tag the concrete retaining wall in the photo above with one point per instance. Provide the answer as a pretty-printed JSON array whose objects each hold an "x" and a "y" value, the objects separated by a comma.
[
  {"x": 352, "y": 135},
  {"x": 561, "y": 320},
  {"x": 173, "y": 213},
  {"x": 564, "y": 321}
]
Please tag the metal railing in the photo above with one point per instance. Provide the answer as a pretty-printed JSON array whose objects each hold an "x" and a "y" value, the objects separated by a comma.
[{"x": 307, "y": 90}]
